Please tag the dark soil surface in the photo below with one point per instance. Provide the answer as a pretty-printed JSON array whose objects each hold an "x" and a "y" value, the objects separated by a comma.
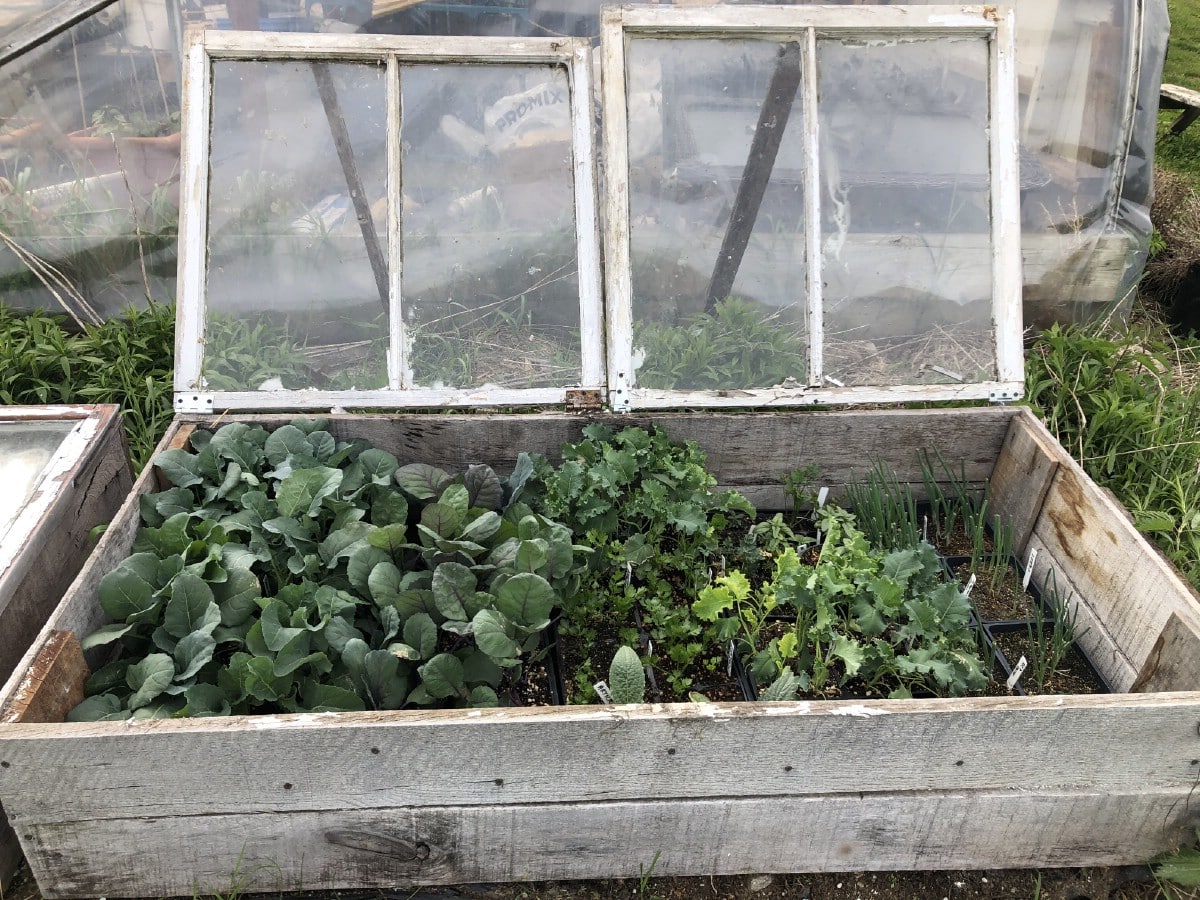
[
  {"x": 1004, "y": 601},
  {"x": 1074, "y": 676}
]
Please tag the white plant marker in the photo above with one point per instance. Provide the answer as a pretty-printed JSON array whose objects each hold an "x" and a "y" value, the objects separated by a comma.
[
  {"x": 1017, "y": 672},
  {"x": 1029, "y": 569}
]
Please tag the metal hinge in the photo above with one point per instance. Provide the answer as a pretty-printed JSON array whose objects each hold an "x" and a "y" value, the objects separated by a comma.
[
  {"x": 585, "y": 400},
  {"x": 193, "y": 401}
]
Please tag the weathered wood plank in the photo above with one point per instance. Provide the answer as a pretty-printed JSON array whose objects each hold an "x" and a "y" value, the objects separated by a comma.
[
  {"x": 52, "y": 686},
  {"x": 1124, "y": 590},
  {"x": 749, "y": 453},
  {"x": 401, "y": 847},
  {"x": 1174, "y": 660},
  {"x": 1022, "y": 476},
  {"x": 86, "y": 495},
  {"x": 685, "y": 751}
]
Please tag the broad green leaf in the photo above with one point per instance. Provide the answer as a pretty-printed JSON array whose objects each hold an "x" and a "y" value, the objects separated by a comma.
[
  {"x": 421, "y": 481},
  {"x": 453, "y": 587},
  {"x": 322, "y": 444},
  {"x": 276, "y": 630},
  {"x": 165, "y": 504},
  {"x": 237, "y": 598},
  {"x": 484, "y": 490},
  {"x": 298, "y": 653},
  {"x": 392, "y": 539},
  {"x": 284, "y": 442},
  {"x": 504, "y": 554},
  {"x": 193, "y": 653},
  {"x": 149, "y": 678},
  {"x": 688, "y": 518},
  {"x": 478, "y": 668},
  {"x": 108, "y": 678},
  {"x": 103, "y": 708},
  {"x": 443, "y": 520},
  {"x": 328, "y": 698},
  {"x": 867, "y": 616},
  {"x": 128, "y": 590},
  {"x": 389, "y": 508},
  {"x": 343, "y": 542},
  {"x": 483, "y": 696},
  {"x": 492, "y": 635},
  {"x": 421, "y": 633},
  {"x": 105, "y": 635},
  {"x": 262, "y": 683},
  {"x": 442, "y": 676},
  {"x": 302, "y": 491},
  {"x": 384, "y": 583},
  {"x": 180, "y": 467},
  {"x": 521, "y": 473},
  {"x": 389, "y": 620},
  {"x": 297, "y": 533},
  {"x": 360, "y": 565},
  {"x": 331, "y": 602},
  {"x": 353, "y": 655},
  {"x": 526, "y": 599},
  {"x": 378, "y": 466},
  {"x": 481, "y": 528},
  {"x": 532, "y": 555},
  {"x": 192, "y": 607},
  {"x": 386, "y": 685},
  {"x": 339, "y": 632},
  {"x": 162, "y": 708},
  {"x": 206, "y": 700}
]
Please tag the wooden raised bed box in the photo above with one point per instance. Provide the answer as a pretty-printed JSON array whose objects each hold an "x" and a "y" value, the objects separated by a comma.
[
  {"x": 385, "y": 799},
  {"x": 320, "y": 801},
  {"x": 66, "y": 471}
]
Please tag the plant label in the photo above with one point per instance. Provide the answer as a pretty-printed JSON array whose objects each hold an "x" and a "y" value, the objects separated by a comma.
[
  {"x": 602, "y": 691},
  {"x": 1017, "y": 672},
  {"x": 1029, "y": 569},
  {"x": 970, "y": 585}
]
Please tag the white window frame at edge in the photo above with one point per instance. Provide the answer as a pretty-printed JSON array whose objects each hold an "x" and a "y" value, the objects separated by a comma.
[
  {"x": 209, "y": 46},
  {"x": 803, "y": 23}
]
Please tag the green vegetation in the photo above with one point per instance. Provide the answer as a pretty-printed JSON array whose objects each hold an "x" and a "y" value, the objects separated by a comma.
[
  {"x": 289, "y": 571},
  {"x": 127, "y": 360},
  {"x": 1125, "y": 406}
]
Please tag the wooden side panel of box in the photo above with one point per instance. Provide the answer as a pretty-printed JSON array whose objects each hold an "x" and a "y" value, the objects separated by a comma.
[
  {"x": 97, "y": 486},
  {"x": 1138, "y": 620},
  {"x": 373, "y": 799},
  {"x": 400, "y": 848}
]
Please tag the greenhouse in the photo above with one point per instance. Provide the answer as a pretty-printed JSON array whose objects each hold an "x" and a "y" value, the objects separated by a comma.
[{"x": 90, "y": 175}]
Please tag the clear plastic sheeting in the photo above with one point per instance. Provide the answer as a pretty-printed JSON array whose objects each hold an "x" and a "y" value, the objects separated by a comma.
[
  {"x": 25, "y": 450},
  {"x": 89, "y": 151},
  {"x": 297, "y": 288},
  {"x": 89, "y": 166},
  {"x": 490, "y": 288},
  {"x": 906, "y": 212}
]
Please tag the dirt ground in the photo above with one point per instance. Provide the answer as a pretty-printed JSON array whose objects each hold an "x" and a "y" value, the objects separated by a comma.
[{"x": 1120, "y": 883}]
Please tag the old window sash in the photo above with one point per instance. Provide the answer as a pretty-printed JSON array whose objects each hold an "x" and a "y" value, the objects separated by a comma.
[
  {"x": 623, "y": 25},
  {"x": 205, "y": 48}
]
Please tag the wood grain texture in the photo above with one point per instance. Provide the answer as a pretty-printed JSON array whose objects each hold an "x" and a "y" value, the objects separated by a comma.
[
  {"x": 1174, "y": 659},
  {"x": 1023, "y": 473},
  {"x": 52, "y": 686},
  {"x": 746, "y": 452},
  {"x": 1124, "y": 590},
  {"x": 400, "y": 847},
  {"x": 590, "y": 754}
]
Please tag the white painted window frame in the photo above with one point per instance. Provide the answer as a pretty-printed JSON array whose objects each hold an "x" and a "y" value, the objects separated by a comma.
[
  {"x": 620, "y": 25},
  {"x": 207, "y": 47}
]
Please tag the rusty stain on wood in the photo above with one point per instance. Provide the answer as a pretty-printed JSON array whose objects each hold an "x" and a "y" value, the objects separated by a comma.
[
  {"x": 52, "y": 685},
  {"x": 1173, "y": 662}
]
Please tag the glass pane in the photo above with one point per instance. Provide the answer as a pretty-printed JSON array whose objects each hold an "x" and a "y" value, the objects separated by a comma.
[
  {"x": 297, "y": 295},
  {"x": 905, "y": 225},
  {"x": 716, "y": 213},
  {"x": 89, "y": 164},
  {"x": 491, "y": 294},
  {"x": 24, "y": 451}
]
